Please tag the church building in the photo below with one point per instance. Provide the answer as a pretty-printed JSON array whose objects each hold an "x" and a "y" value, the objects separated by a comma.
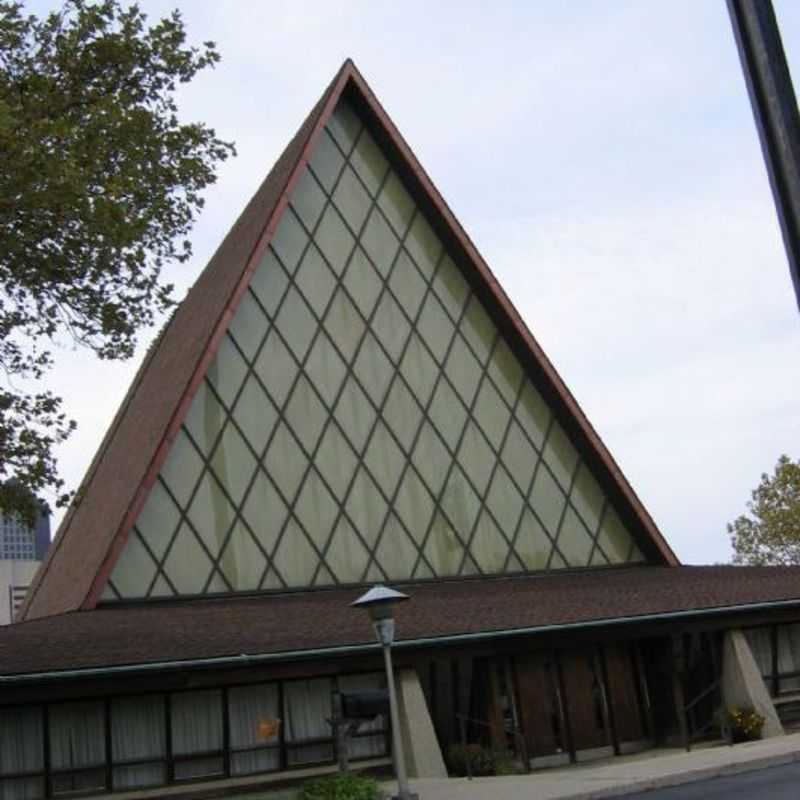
[{"x": 347, "y": 397}]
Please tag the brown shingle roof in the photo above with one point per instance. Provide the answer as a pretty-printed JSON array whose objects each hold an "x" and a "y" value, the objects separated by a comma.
[
  {"x": 207, "y": 629},
  {"x": 116, "y": 487}
]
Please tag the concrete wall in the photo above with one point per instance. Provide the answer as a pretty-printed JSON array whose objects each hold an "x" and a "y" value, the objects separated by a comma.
[
  {"x": 423, "y": 755},
  {"x": 742, "y": 684}
]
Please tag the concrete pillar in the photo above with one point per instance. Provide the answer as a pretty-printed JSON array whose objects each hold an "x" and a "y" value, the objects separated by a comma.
[
  {"x": 742, "y": 684},
  {"x": 423, "y": 756}
]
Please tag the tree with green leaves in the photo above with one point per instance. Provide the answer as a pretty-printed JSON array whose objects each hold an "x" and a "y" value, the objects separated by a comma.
[
  {"x": 100, "y": 183},
  {"x": 770, "y": 532}
]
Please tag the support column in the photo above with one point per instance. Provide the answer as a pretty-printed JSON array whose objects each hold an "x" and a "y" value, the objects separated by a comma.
[
  {"x": 423, "y": 756},
  {"x": 742, "y": 684}
]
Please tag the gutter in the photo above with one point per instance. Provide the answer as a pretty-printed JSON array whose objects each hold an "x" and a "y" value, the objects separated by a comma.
[{"x": 247, "y": 659}]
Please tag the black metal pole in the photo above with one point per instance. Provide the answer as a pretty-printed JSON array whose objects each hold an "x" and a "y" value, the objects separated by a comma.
[{"x": 775, "y": 110}]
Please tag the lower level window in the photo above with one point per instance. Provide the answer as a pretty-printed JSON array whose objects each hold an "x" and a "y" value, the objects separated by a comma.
[
  {"x": 197, "y": 734},
  {"x": 77, "y": 747},
  {"x": 307, "y": 709}
]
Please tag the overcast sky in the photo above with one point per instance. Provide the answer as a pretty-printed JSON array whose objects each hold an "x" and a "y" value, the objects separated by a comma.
[{"x": 604, "y": 160}]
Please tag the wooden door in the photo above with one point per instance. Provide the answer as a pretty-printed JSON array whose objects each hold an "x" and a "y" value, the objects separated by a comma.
[
  {"x": 625, "y": 694},
  {"x": 586, "y": 699}
]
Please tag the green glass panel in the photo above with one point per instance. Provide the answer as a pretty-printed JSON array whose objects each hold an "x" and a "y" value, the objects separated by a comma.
[
  {"x": 233, "y": 463},
  {"x": 366, "y": 507},
  {"x": 264, "y": 511},
  {"x": 533, "y": 414},
  {"x": 557, "y": 562},
  {"x": 327, "y": 161},
  {"x": 316, "y": 509},
  {"x": 561, "y": 456},
  {"x": 324, "y": 577},
  {"x": 325, "y": 368},
  {"x": 161, "y": 588},
  {"x": 373, "y": 369},
  {"x": 269, "y": 282},
  {"x": 435, "y": 328},
  {"x": 109, "y": 593},
  {"x": 315, "y": 281},
  {"x": 424, "y": 246},
  {"x": 444, "y": 551},
  {"x": 211, "y": 514},
  {"x": 187, "y": 566},
  {"x": 598, "y": 559},
  {"x": 614, "y": 538},
  {"x": 276, "y": 368},
  {"x": 519, "y": 457},
  {"x": 334, "y": 240},
  {"x": 227, "y": 371},
  {"x": 344, "y": 126},
  {"x": 134, "y": 572},
  {"x": 296, "y": 323},
  {"x": 460, "y": 503},
  {"x": 547, "y": 499},
  {"x": 336, "y": 461},
  {"x": 450, "y": 287},
  {"x": 362, "y": 282},
  {"x": 390, "y": 326},
  {"x": 419, "y": 369},
  {"x": 355, "y": 414},
  {"x": 478, "y": 329},
  {"x": 423, "y": 571},
  {"x": 504, "y": 501},
  {"x": 205, "y": 419},
  {"x": 491, "y": 413},
  {"x": 488, "y": 547},
  {"x": 414, "y": 504},
  {"x": 379, "y": 242},
  {"x": 574, "y": 541},
  {"x": 242, "y": 562},
  {"x": 384, "y": 459},
  {"x": 285, "y": 462},
  {"x": 402, "y": 413},
  {"x": 295, "y": 559},
  {"x": 308, "y": 199},
  {"x": 346, "y": 557},
  {"x": 396, "y": 204},
  {"x": 636, "y": 556},
  {"x": 369, "y": 162},
  {"x": 255, "y": 415},
  {"x": 158, "y": 520},
  {"x": 344, "y": 324},
  {"x": 448, "y": 414},
  {"x": 182, "y": 468},
  {"x": 463, "y": 370},
  {"x": 407, "y": 284},
  {"x": 431, "y": 458},
  {"x": 351, "y": 199},
  {"x": 396, "y": 553},
  {"x": 587, "y": 497},
  {"x": 305, "y": 414},
  {"x": 532, "y": 543},
  {"x": 476, "y": 456},
  {"x": 289, "y": 240},
  {"x": 248, "y": 326},
  {"x": 505, "y": 372}
]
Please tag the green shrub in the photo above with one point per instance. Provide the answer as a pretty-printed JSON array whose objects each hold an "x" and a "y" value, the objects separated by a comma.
[
  {"x": 480, "y": 759},
  {"x": 341, "y": 787}
]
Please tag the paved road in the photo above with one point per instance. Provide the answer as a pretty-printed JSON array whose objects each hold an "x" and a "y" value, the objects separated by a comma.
[{"x": 775, "y": 783}]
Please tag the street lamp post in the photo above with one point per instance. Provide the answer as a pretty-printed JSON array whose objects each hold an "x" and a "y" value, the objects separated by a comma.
[{"x": 379, "y": 602}]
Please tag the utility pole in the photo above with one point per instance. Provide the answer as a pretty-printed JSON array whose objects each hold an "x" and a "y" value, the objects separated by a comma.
[{"x": 772, "y": 98}]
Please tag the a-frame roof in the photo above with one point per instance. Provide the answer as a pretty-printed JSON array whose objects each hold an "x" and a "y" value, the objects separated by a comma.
[{"x": 96, "y": 528}]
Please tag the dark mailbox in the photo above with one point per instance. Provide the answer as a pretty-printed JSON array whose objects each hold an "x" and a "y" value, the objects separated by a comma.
[{"x": 366, "y": 704}]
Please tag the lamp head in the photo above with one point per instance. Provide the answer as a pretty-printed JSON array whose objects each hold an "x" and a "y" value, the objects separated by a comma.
[{"x": 379, "y": 602}]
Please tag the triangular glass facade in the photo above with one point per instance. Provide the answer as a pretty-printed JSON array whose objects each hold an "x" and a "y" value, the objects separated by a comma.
[{"x": 363, "y": 420}]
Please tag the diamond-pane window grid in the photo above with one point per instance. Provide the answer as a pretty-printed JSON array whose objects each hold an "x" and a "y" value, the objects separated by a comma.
[
  {"x": 344, "y": 125},
  {"x": 187, "y": 564},
  {"x": 227, "y": 371},
  {"x": 450, "y": 287},
  {"x": 505, "y": 502},
  {"x": 316, "y": 509},
  {"x": 347, "y": 557},
  {"x": 423, "y": 246},
  {"x": 443, "y": 550},
  {"x": 419, "y": 369},
  {"x": 373, "y": 369},
  {"x": 344, "y": 324},
  {"x": 295, "y": 557},
  {"x": 505, "y": 371},
  {"x": 269, "y": 282},
  {"x": 384, "y": 459},
  {"x": 315, "y": 280},
  {"x": 560, "y": 455},
  {"x": 205, "y": 419},
  {"x": 431, "y": 458},
  {"x": 390, "y": 325},
  {"x": 460, "y": 503},
  {"x": 308, "y": 199},
  {"x": 289, "y": 240},
  {"x": 369, "y": 162},
  {"x": 396, "y": 552},
  {"x": 402, "y": 413},
  {"x": 362, "y": 282},
  {"x": 334, "y": 239},
  {"x": 249, "y": 326},
  {"x": 296, "y": 323},
  {"x": 396, "y": 204},
  {"x": 182, "y": 468},
  {"x": 366, "y": 507},
  {"x": 211, "y": 514},
  {"x": 435, "y": 327},
  {"x": 447, "y": 413},
  {"x": 478, "y": 329},
  {"x": 354, "y": 413},
  {"x": 463, "y": 370},
  {"x": 476, "y": 456},
  {"x": 255, "y": 415},
  {"x": 276, "y": 368},
  {"x": 326, "y": 161},
  {"x": 243, "y": 562},
  {"x": 325, "y": 368},
  {"x": 379, "y": 242},
  {"x": 335, "y": 460},
  {"x": 233, "y": 463},
  {"x": 351, "y": 199},
  {"x": 264, "y": 512},
  {"x": 407, "y": 284},
  {"x": 285, "y": 461},
  {"x": 158, "y": 520},
  {"x": 305, "y": 414},
  {"x": 491, "y": 414},
  {"x": 519, "y": 456}
]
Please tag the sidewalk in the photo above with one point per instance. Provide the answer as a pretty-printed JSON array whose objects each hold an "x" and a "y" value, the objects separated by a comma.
[{"x": 617, "y": 778}]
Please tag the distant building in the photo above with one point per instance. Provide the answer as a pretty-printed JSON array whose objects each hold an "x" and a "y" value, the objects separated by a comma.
[{"x": 22, "y": 550}]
